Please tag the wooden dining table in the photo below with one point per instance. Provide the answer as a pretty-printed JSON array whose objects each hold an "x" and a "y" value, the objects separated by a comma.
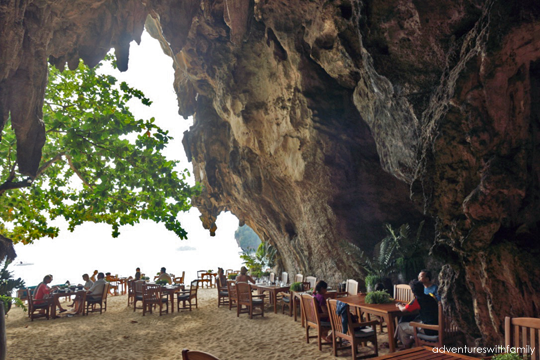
[
  {"x": 389, "y": 312},
  {"x": 58, "y": 295},
  {"x": 424, "y": 353},
  {"x": 273, "y": 290},
  {"x": 171, "y": 290}
]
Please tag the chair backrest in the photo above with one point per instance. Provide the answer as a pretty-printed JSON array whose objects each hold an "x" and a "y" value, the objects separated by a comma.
[
  {"x": 312, "y": 280},
  {"x": 137, "y": 287},
  {"x": 298, "y": 278},
  {"x": 528, "y": 336},
  {"x": 105, "y": 292},
  {"x": 403, "y": 292},
  {"x": 229, "y": 271},
  {"x": 285, "y": 277},
  {"x": 309, "y": 309},
  {"x": 197, "y": 355},
  {"x": 131, "y": 287},
  {"x": 231, "y": 287},
  {"x": 200, "y": 272},
  {"x": 335, "y": 319},
  {"x": 351, "y": 287},
  {"x": 244, "y": 293},
  {"x": 151, "y": 292},
  {"x": 194, "y": 286},
  {"x": 272, "y": 277}
]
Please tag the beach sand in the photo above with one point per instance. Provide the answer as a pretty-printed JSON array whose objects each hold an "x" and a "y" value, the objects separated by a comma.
[{"x": 120, "y": 333}]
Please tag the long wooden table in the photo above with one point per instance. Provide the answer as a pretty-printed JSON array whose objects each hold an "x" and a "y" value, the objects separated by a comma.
[
  {"x": 424, "y": 353},
  {"x": 273, "y": 290},
  {"x": 58, "y": 295},
  {"x": 387, "y": 311}
]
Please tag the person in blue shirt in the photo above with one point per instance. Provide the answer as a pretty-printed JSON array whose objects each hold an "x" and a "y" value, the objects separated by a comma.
[{"x": 429, "y": 287}]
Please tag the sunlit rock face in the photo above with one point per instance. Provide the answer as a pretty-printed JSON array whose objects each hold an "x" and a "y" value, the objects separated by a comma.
[{"x": 316, "y": 122}]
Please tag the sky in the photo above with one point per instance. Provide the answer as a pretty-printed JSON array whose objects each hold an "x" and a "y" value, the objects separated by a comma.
[{"x": 146, "y": 245}]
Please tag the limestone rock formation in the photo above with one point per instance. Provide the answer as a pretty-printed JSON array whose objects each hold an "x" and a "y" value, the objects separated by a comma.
[{"x": 317, "y": 121}]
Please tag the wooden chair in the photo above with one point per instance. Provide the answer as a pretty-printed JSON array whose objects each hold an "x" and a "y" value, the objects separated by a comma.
[
  {"x": 351, "y": 287},
  {"x": 223, "y": 293},
  {"x": 152, "y": 297},
  {"x": 188, "y": 296},
  {"x": 312, "y": 318},
  {"x": 403, "y": 293},
  {"x": 43, "y": 308},
  {"x": 447, "y": 332},
  {"x": 354, "y": 335},
  {"x": 312, "y": 280},
  {"x": 298, "y": 278},
  {"x": 284, "y": 278},
  {"x": 137, "y": 293},
  {"x": 91, "y": 302},
  {"x": 286, "y": 299},
  {"x": 228, "y": 271},
  {"x": 197, "y": 355},
  {"x": 202, "y": 278},
  {"x": 179, "y": 279},
  {"x": 529, "y": 335},
  {"x": 233, "y": 294},
  {"x": 245, "y": 298},
  {"x": 131, "y": 292}
]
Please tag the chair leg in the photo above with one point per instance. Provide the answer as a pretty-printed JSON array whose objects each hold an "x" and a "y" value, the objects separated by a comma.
[
  {"x": 319, "y": 339},
  {"x": 307, "y": 333},
  {"x": 334, "y": 343}
]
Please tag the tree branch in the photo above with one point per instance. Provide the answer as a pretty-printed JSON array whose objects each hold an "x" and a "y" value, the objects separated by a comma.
[
  {"x": 45, "y": 166},
  {"x": 76, "y": 171}
]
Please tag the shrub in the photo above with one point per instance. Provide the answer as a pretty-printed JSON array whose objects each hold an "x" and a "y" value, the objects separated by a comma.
[
  {"x": 378, "y": 297},
  {"x": 509, "y": 356},
  {"x": 162, "y": 282},
  {"x": 266, "y": 273},
  {"x": 372, "y": 280},
  {"x": 297, "y": 286},
  {"x": 232, "y": 276}
]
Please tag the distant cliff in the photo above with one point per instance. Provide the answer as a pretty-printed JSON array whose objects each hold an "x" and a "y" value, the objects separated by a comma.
[{"x": 246, "y": 238}]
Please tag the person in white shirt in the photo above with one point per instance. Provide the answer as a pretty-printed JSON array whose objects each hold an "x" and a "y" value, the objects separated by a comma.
[
  {"x": 97, "y": 288},
  {"x": 87, "y": 282}
]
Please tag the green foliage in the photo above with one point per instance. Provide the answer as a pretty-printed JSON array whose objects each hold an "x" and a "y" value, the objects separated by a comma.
[
  {"x": 410, "y": 251},
  {"x": 162, "y": 282},
  {"x": 297, "y": 286},
  {"x": 378, "y": 297},
  {"x": 99, "y": 163},
  {"x": 264, "y": 257},
  {"x": 232, "y": 276},
  {"x": 266, "y": 273},
  {"x": 7, "y": 283},
  {"x": 510, "y": 356},
  {"x": 372, "y": 280},
  {"x": 383, "y": 263},
  {"x": 10, "y": 300},
  {"x": 246, "y": 238}
]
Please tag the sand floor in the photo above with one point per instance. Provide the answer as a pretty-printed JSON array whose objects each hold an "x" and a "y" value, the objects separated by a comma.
[{"x": 120, "y": 333}]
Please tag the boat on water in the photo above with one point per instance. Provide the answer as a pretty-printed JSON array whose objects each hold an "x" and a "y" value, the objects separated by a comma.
[{"x": 20, "y": 263}]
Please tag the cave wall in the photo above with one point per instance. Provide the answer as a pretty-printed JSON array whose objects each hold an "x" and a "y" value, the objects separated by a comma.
[{"x": 316, "y": 122}]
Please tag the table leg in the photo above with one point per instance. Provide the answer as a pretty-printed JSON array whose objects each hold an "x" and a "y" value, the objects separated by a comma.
[
  {"x": 171, "y": 297},
  {"x": 390, "y": 328},
  {"x": 275, "y": 301},
  {"x": 293, "y": 298}
]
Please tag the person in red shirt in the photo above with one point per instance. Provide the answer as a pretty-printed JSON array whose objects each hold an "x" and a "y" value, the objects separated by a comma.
[{"x": 43, "y": 292}]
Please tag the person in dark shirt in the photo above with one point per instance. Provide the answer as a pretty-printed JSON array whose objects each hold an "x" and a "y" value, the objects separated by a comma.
[{"x": 428, "y": 308}]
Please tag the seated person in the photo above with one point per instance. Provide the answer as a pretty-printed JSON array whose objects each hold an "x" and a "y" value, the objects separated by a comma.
[
  {"x": 221, "y": 278},
  {"x": 137, "y": 274},
  {"x": 42, "y": 294},
  {"x": 428, "y": 307},
  {"x": 113, "y": 288},
  {"x": 244, "y": 277},
  {"x": 164, "y": 276},
  {"x": 429, "y": 288},
  {"x": 319, "y": 294},
  {"x": 87, "y": 282},
  {"x": 96, "y": 290}
]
